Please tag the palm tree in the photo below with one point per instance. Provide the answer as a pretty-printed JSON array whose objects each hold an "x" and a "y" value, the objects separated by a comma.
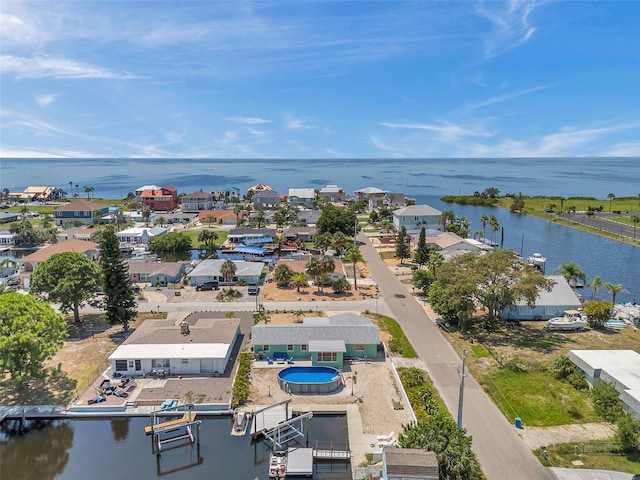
[
  {"x": 572, "y": 273},
  {"x": 298, "y": 280},
  {"x": 635, "y": 219},
  {"x": 208, "y": 237},
  {"x": 46, "y": 221},
  {"x": 282, "y": 275},
  {"x": 88, "y": 191},
  {"x": 98, "y": 215},
  {"x": 339, "y": 240},
  {"x": 119, "y": 218},
  {"x": 597, "y": 284},
  {"x": 237, "y": 210},
  {"x": 260, "y": 217},
  {"x": 319, "y": 267},
  {"x": 228, "y": 270},
  {"x": 614, "y": 289},
  {"x": 146, "y": 215},
  {"x": 446, "y": 218},
  {"x": 494, "y": 225},
  {"x": 354, "y": 256},
  {"x": 611, "y": 197}
]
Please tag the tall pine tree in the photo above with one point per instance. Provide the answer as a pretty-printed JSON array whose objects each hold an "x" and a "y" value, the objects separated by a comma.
[
  {"x": 403, "y": 249},
  {"x": 422, "y": 252},
  {"x": 119, "y": 302}
]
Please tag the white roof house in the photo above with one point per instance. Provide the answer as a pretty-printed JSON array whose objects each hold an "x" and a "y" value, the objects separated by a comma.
[
  {"x": 199, "y": 347},
  {"x": 139, "y": 234},
  {"x": 301, "y": 196},
  {"x": 332, "y": 193},
  {"x": 141, "y": 189},
  {"x": 209, "y": 270},
  {"x": 622, "y": 367}
]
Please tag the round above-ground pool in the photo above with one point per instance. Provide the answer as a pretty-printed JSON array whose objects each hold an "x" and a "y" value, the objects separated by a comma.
[{"x": 309, "y": 379}]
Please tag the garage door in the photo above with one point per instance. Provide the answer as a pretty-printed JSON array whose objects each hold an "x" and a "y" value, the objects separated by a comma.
[{"x": 206, "y": 365}]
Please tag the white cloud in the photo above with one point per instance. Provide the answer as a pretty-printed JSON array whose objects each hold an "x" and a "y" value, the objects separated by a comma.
[
  {"x": 445, "y": 130},
  {"x": 44, "y": 100},
  {"x": 173, "y": 137},
  {"x": 623, "y": 150},
  {"x": 43, "y": 66},
  {"x": 503, "y": 98},
  {"x": 292, "y": 123},
  {"x": 249, "y": 120},
  {"x": 336, "y": 153}
]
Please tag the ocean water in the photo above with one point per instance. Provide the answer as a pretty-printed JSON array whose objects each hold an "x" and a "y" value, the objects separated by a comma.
[{"x": 115, "y": 177}]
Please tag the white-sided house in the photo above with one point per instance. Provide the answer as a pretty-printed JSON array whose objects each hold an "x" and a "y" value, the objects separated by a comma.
[
  {"x": 376, "y": 197},
  {"x": 548, "y": 304},
  {"x": 196, "y": 201},
  {"x": 7, "y": 238},
  {"x": 449, "y": 244},
  {"x": 200, "y": 347},
  {"x": 332, "y": 193},
  {"x": 209, "y": 271},
  {"x": 138, "y": 235},
  {"x": 622, "y": 367},
  {"x": 301, "y": 197},
  {"x": 266, "y": 199},
  {"x": 414, "y": 217},
  {"x": 157, "y": 274}
]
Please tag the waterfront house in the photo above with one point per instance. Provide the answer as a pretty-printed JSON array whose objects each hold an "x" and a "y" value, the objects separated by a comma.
[
  {"x": 79, "y": 233},
  {"x": 449, "y": 244},
  {"x": 548, "y": 304},
  {"x": 160, "y": 199},
  {"x": 8, "y": 217},
  {"x": 620, "y": 367},
  {"x": 209, "y": 271},
  {"x": 304, "y": 234},
  {"x": 30, "y": 262},
  {"x": 7, "y": 239},
  {"x": 266, "y": 199},
  {"x": 409, "y": 463},
  {"x": 260, "y": 187},
  {"x": 157, "y": 274},
  {"x": 37, "y": 194},
  {"x": 301, "y": 197},
  {"x": 414, "y": 217},
  {"x": 251, "y": 236},
  {"x": 139, "y": 235},
  {"x": 220, "y": 217},
  {"x": 377, "y": 198},
  {"x": 82, "y": 212},
  {"x": 323, "y": 340},
  {"x": 144, "y": 188},
  {"x": 332, "y": 193},
  {"x": 196, "y": 201},
  {"x": 226, "y": 193},
  {"x": 198, "y": 347}
]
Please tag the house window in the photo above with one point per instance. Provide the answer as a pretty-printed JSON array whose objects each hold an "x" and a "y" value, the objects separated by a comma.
[
  {"x": 130, "y": 363},
  {"x": 303, "y": 348},
  {"x": 121, "y": 365},
  {"x": 160, "y": 363},
  {"x": 359, "y": 347},
  {"x": 289, "y": 348},
  {"x": 138, "y": 365},
  {"x": 265, "y": 348},
  {"x": 185, "y": 360},
  {"x": 327, "y": 356}
]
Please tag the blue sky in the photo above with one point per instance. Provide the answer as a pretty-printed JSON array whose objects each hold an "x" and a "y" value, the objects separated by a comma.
[{"x": 319, "y": 80}]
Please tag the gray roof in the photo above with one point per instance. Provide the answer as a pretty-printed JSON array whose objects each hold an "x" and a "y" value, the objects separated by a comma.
[
  {"x": 327, "y": 346},
  {"x": 416, "y": 211},
  {"x": 206, "y": 330},
  {"x": 561, "y": 294},
  {"x": 266, "y": 194},
  {"x": 340, "y": 319},
  {"x": 303, "y": 333},
  {"x": 370, "y": 190},
  {"x": 211, "y": 268},
  {"x": 252, "y": 231},
  {"x": 156, "y": 268},
  {"x": 410, "y": 463}
]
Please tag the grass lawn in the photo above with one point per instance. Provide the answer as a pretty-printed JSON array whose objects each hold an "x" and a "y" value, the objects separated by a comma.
[
  {"x": 600, "y": 455},
  {"x": 399, "y": 341}
]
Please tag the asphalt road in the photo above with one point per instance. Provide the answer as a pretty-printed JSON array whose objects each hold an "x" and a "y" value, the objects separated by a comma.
[
  {"x": 503, "y": 454},
  {"x": 601, "y": 221}
]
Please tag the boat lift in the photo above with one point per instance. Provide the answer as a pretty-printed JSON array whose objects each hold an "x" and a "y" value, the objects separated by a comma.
[{"x": 170, "y": 431}]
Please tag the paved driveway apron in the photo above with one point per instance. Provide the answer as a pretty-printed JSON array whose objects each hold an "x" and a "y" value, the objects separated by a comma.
[{"x": 503, "y": 454}]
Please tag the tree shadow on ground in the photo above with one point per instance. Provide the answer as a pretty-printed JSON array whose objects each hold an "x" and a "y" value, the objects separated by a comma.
[
  {"x": 88, "y": 326},
  {"x": 54, "y": 389},
  {"x": 521, "y": 335}
]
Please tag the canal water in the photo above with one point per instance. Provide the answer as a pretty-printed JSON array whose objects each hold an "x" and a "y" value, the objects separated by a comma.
[
  {"x": 118, "y": 449},
  {"x": 615, "y": 262}
]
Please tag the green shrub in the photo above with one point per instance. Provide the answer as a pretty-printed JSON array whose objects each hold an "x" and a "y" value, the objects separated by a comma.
[
  {"x": 628, "y": 433},
  {"x": 606, "y": 401}
]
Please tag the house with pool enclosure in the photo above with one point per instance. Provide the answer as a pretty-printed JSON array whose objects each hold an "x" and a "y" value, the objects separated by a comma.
[{"x": 327, "y": 341}]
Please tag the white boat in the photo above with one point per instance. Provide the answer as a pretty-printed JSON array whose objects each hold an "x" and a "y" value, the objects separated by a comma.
[
  {"x": 278, "y": 465},
  {"x": 537, "y": 260},
  {"x": 573, "y": 320},
  {"x": 240, "y": 422}
]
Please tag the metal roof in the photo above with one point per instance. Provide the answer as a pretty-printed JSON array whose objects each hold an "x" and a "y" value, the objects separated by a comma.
[
  {"x": 151, "y": 351},
  {"x": 251, "y": 250}
]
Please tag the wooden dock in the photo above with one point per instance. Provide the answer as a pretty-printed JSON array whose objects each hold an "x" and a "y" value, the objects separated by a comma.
[{"x": 186, "y": 419}]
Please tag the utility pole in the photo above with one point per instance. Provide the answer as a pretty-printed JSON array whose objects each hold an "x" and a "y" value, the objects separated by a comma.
[{"x": 461, "y": 394}]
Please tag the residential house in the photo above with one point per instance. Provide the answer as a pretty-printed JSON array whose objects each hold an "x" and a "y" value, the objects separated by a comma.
[
  {"x": 548, "y": 304},
  {"x": 620, "y": 367},
  {"x": 449, "y": 244},
  {"x": 376, "y": 198},
  {"x": 144, "y": 188},
  {"x": 220, "y": 217},
  {"x": 251, "y": 236},
  {"x": 199, "y": 347},
  {"x": 260, "y": 187},
  {"x": 37, "y": 194},
  {"x": 309, "y": 216},
  {"x": 266, "y": 199},
  {"x": 7, "y": 239},
  {"x": 302, "y": 197},
  {"x": 323, "y": 340},
  {"x": 8, "y": 217},
  {"x": 209, "y": 270},
  {"x": 160, "y": 199},
  {"x": 156, "y": 273},
  {"x": 304, "y": 234},
  {"x": 226, "y": 193},
  {"x": 139, "y": 235},
  {"x": 82, "y": 212},
  {"x": 300, "y": 266},
  {"x": 414, "y": 217},
  {"x": 409, "y": 464},
  {"x": 79, "y": 233},
  {"x": 29, "y": 263},
  {"x": 196, "y": 201},
  {"x": 332, "y": 193}
]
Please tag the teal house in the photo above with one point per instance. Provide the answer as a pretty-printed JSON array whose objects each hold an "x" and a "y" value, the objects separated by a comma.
[{"x": 323, "y": 340}]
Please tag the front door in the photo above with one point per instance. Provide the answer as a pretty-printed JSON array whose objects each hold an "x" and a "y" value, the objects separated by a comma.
[{"x": 206, "y": 365}]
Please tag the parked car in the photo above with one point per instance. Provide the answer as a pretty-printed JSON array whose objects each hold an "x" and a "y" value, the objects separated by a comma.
[
  {"x": 253, "y": 290},
  {"x": 208, "y": 286}
]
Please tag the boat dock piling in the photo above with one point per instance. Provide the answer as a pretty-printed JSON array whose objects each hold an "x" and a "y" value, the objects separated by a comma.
[{"x": 170, "y": 431}]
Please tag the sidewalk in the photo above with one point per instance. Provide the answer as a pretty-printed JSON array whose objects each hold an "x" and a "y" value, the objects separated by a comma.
[{"x": 577, "y": 433}]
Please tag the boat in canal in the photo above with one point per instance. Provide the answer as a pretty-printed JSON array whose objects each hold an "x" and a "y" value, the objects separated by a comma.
[{"x": 537, "y": 260}]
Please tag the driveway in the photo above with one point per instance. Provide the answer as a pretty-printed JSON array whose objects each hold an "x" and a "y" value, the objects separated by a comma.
[
  {"x": 501, "y": 451},
  {"x": 578, "y": 474}
]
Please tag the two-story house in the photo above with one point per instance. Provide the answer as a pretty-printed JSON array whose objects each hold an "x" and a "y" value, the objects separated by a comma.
[
  {"x": 414, "y": 217},
  {"x": 81, "y": 212},
  {"x": 163, "y": 199},
  {"x": 266, "y": 199},
  {"x": 302, "y": 197},
  {"x": 196, "y": 201},
  {"x": 332, "y": 193}
]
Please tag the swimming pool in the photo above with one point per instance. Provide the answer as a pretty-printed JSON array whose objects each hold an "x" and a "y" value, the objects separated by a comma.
[
  {"x": 309, "y": 379},
  {"x": 615, "y": 324}
]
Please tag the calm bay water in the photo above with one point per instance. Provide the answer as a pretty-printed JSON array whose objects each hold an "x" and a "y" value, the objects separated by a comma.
[{"x": 118, "y": 448}]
